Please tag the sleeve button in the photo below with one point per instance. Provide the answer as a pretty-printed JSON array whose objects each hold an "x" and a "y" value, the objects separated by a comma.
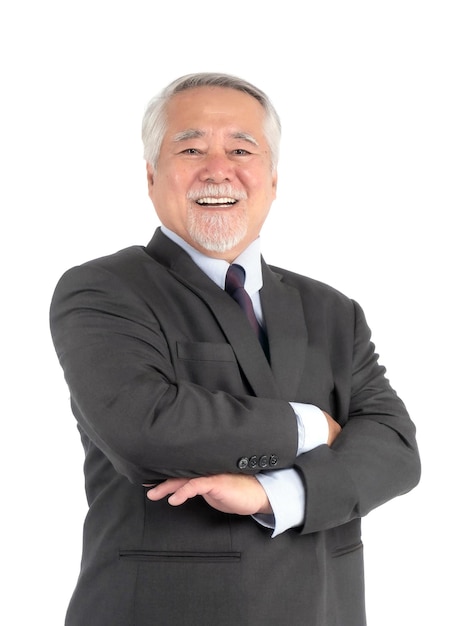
[{"x": 243, "y": 462}]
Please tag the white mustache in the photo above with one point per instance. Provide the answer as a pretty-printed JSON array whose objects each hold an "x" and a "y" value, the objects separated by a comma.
[{"x": 223, "y": 190}]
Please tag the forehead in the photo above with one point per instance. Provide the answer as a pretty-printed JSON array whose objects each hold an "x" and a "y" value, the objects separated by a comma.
[{"x": 207, "y": 108}]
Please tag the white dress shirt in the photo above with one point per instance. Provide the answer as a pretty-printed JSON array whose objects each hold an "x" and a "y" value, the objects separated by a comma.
[{"x": 283, "y": 487}]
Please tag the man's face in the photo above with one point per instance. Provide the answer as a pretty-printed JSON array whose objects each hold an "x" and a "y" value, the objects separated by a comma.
[{"x": 213, "y": 184}]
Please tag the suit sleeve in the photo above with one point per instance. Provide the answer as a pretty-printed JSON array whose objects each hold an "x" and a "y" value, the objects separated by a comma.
[
  {"x": 374, "y": 459},
  {"x": 128, "y": 401}
]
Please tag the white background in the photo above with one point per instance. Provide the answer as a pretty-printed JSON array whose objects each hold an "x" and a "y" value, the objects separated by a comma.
[{"x": 373, "y": 199}]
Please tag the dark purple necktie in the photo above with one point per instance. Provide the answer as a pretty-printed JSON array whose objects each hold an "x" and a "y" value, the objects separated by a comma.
[{"x": 235, "y": 287}]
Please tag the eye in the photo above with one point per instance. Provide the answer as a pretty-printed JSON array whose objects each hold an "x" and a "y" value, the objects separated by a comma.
[
  {"x": 240, "y": 152},
  {"x": 190, "y": 151}
]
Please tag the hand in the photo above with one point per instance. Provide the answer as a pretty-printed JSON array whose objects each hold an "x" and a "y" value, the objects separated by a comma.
[
  {"x": 230, "y": 493},
  {"x": 334, "y": 428}
]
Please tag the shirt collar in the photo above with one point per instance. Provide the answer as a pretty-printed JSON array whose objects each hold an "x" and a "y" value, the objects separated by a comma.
[{"x": 216, "y": 269}]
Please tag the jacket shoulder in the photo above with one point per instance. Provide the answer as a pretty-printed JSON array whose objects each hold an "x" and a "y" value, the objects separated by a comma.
[
  {"x": 117, "y": 262},
  {"x": 124, "y": 265},
  {"x": 307, "y": 285}
]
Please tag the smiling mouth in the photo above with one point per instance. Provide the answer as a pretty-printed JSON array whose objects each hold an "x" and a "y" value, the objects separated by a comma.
[{"x": 216, "y": 202}]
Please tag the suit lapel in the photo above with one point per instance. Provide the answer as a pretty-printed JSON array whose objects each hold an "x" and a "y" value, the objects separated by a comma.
[
  {"x": 286, "y": 329},
  {"x": 235, "y": 326}
]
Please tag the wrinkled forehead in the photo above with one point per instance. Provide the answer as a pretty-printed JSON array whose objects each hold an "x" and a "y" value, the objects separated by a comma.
[{"x": 202, "y": 111}]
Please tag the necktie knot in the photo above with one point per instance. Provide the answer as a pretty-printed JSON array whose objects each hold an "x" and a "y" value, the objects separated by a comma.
[{"x": 235, "y": 279}]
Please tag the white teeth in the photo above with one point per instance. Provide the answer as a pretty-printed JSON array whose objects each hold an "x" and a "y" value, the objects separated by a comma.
[{"x": 216, "y": 201}]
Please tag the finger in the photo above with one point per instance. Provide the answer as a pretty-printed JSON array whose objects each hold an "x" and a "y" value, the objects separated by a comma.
[
  {"x": 165, "y": 488},
  {"x": 192, "y": 488}
]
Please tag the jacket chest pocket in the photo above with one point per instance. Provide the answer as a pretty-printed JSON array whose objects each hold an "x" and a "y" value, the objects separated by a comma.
[{"x": 211, "y": 365}]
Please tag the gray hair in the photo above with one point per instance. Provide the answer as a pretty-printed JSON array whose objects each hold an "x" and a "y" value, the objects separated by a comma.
[{"x": 155, "y": 119}]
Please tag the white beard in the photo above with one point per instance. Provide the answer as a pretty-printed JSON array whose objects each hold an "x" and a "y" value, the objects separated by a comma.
[{"x": 217, "y": 231}]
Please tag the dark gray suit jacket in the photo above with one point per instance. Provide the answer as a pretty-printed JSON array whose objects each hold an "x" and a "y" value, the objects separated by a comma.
[{"x": 167, "y": 379}]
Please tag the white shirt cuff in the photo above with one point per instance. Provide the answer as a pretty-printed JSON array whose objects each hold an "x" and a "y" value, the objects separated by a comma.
[
  {"x": 286, "y": 494},
  {"x": 312, "y": 426}
]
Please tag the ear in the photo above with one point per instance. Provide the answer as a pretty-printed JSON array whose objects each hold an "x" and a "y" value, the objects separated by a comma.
[
  {"x": 274, "y": 183},
  {"x": 150, "y": 172}
]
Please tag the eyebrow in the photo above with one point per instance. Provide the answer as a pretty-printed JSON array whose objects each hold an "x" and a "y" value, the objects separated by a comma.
[
  {"x": 194, "y": 133},
  {"x": 189, "y": 133},
  {"x": 245, "y": 137}
]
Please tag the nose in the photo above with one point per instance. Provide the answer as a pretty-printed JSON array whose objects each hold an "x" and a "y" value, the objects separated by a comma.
[{"x": 217, "y": 168}]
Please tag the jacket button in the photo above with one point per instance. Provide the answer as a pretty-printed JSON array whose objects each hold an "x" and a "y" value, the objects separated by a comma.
[
  {"x": 243, "y": 462},
  {"x": 273, "y": 460},
  {"x": 263, "y": 461},
  {"x": 253, "y": 462}
]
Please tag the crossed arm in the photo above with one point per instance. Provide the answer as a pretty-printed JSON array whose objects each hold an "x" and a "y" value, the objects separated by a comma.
[
  {"x": 238, "y": 494},
  {"x": 121, "y": 378}
]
